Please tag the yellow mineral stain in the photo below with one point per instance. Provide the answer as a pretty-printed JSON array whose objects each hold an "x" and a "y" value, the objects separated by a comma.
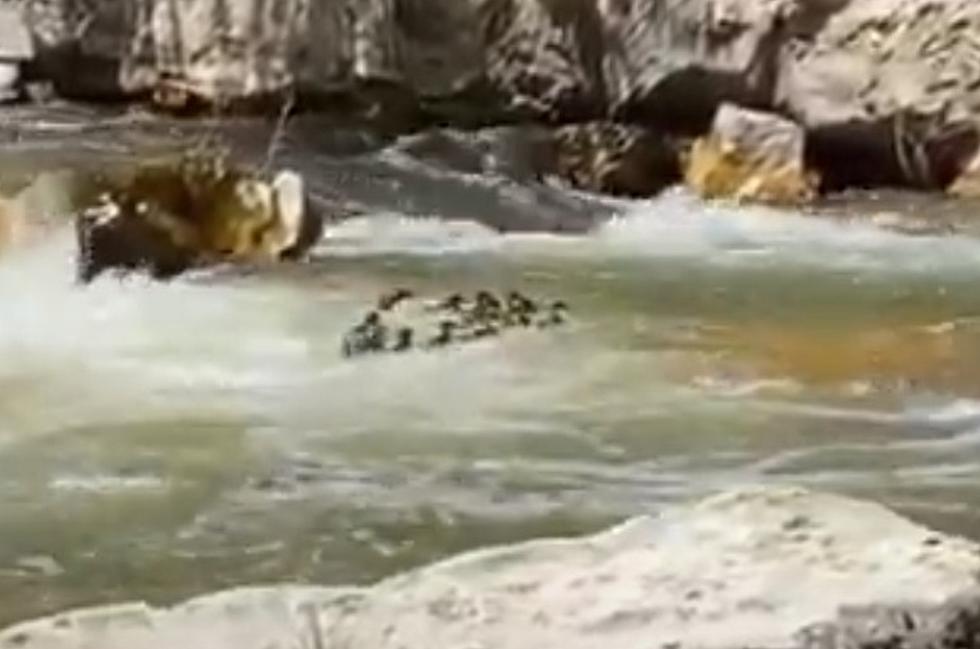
[
  {"x": 936, "y": 355},
  {"x": 716, "y": 169}
]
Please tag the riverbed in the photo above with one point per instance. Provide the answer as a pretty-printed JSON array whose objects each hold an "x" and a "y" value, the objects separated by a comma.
[{"x": 159, "y": 441}]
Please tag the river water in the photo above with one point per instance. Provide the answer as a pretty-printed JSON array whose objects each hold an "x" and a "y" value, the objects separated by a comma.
[{"x": 163, "y": 440}]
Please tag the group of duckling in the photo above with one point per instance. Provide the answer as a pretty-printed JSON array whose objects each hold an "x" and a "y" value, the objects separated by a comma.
[{"x": 460, "y": 319}]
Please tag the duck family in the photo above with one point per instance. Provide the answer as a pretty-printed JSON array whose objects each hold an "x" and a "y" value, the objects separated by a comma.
[{"x": 459, "y": 319}]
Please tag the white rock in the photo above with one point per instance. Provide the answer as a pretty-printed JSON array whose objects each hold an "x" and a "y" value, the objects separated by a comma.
[{"x": 747, "y": 568}]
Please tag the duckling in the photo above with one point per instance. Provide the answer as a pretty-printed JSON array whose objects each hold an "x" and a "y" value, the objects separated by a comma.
[
  {"x": 485, "y": 330},
  {"x": 520, "y": 303},
  {"x": 557, "y": 315},
  {"x": 390, "y": 300},
  {"x": 403, "y": 340},
  {"x": 368, "y": 336},
  {"x": 454, "y": 303},
  {"x": 445, "y": 335},
  {"x": 487, "y": 307},
  {"x": 520, "y": 309}
]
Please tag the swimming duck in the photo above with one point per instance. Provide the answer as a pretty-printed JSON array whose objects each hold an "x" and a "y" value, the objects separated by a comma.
[
  {"x": 369, "y": 336},
  {"x": 557, "y": 315},
  {"x": 389, "y": 301},
  {"x": 403, "y": 340},
  {"x": 445, "y": 335}
]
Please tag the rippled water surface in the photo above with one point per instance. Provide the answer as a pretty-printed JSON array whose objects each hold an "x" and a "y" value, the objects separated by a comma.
[{"x": 161, "y": 440}]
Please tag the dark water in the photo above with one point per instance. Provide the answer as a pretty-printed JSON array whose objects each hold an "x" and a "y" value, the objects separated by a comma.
[{"x": 158, "y": 441}]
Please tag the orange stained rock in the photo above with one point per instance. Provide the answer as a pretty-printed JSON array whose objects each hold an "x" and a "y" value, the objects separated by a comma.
[{"x": 717, "y": 169}]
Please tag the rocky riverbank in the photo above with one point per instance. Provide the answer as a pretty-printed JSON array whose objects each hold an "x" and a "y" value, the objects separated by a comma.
[
  {"x": 756, "y": 567},
  {"x": 883, "y": 92}
]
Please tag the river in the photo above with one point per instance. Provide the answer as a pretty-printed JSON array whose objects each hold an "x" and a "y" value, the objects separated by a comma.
[{"x": 163, "y": 440}]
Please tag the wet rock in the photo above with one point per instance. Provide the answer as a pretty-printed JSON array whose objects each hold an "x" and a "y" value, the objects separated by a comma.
[
  {"x": 616, "y": 158},
  {"x": 760, "y": 567},
  {"x": 671, "y": 64},
  {"x": 967, "y": 184},
  {"x": 169, "y": 216},
  {"x": 15, "y": 49},
  {"x": 886, "y": 88},
  {"x": 753, "y": 156}
]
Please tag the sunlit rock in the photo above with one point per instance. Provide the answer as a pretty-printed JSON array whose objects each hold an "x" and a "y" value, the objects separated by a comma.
[
  {"x": 750, "y": 155},
  {"x": 169, "y": 216},
  {"x": 15, "y": 49},
  {"x": 615, "y": 158},
  {"x": 775, "y": 568},
  {"x": 967, "y": 183},
  {"x": 38, "y": 203}
]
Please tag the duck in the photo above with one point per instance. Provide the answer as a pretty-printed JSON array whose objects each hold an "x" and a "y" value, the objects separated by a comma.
[
  {"x": 403, "y": 340},
  {"x": 445, "y": 335},
  {"x": 390, "y": 300},
  {"x": 368, "y": 336},
  {"x": 557, "y": 315}
]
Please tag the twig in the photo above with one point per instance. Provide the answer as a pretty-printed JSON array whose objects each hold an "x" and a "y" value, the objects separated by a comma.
[{"x": 279, "y": 134}]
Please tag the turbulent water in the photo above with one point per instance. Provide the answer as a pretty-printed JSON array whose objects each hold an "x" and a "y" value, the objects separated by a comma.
[{"x": 163, "y": 440}]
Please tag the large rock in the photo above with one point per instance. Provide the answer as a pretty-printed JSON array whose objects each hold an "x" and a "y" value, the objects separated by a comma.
[
  {"x": 887, "y": 88},
  {"x": 615, "y": 158},
  {"x": 892, "y": 83},
  {"x": 670, "y": 63},
  {"x": 761, "y": 568},
  {"x": 751, "y": 155},
  {"x": 169, "y": 216},
  {"x": 15, "y": 48}
]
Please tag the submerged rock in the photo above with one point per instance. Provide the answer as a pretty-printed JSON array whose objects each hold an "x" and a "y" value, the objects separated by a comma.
[
  {"x": 751, "y": 155},
  {"x": 167, "y": 217},
  {"x": 775, "y": 568}
]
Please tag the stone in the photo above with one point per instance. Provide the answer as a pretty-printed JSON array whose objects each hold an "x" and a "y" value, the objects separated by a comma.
[
  {"x": 169, "y": 216},
  {"x": 15, "y": 37},
  {"x": 751, "y": 155},
  {"x": 893, "y": 84},
  {"x": 15, "y": 48},
  {"x": 885, "y": 88},
  {"x": 967, "y": 184},
  {"x": 671, "y": 63},
  {"x": 616, "y": 159},
  {"x": 761, "y": 567}
]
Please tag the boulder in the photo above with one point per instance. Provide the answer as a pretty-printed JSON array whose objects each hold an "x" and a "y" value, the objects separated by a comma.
[
  {"x": 670, "y": 63},
  {"x": 615, "y": 158},
  {"x": 170, "y": 216},
  {"x": 775, "y": 567},
  {"x": 751, "y": 155},
  {"x": 885, "y": 88},
  {"x": 15, "y": 49}
]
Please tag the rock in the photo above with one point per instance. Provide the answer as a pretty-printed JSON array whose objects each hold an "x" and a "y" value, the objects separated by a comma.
[
  {"x": 170, "y": 216},
  {"x": 671, "y": 63},
  {"x": 890, "y": 83},
  {"x": 967, "y": 184},
  {"x": 38, "y": 206},
  {"x": 751, "y": 155},
  {"x": 886, "y": 88},
  {"x": 615, "y": 158},
  {"x": 775, "y": 568},
  {"x": 15, "y": 48}
]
